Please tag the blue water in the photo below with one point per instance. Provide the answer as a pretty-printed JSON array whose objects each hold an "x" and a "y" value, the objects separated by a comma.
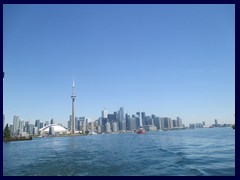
[{"x": 198, "y": 152}]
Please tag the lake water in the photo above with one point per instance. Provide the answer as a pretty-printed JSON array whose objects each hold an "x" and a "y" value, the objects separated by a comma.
[{"x": 196, "y": 152}]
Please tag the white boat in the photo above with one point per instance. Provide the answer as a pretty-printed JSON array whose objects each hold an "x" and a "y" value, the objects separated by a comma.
[{"x": 92, "y": 133}]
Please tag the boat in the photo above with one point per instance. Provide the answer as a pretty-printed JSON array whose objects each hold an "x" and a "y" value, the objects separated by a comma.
[
  {"x": 141, "y": 131},
  {"x": 92, "y": 133}
]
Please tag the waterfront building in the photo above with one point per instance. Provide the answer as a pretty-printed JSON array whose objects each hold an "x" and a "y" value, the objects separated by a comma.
[
  {"x": 216, "y": 122},
  {"x": 134, "y": 125},
  {"x": 157, "y": 123},
  {"x": 84, "y": 127},
  {"x": 128, "y": 122},
  {"x": 166, "y": 123},
  {"x": 174, "y": 122},
  {"x": 26, "y": 127},
  {"x": 16, "y": 124},
  {"x": 121, "y": 118},
  {"x": 149, "y": 120},
  {"x": 37, "y": 123},
  {"x": 122, "y": 125},
  {"x": 41, "y": 125},
  {"x": 140, "y": 119},
  {"x": 30, "y": 128},
  {"x": 69, "y": 125},
  {"x": 108, "y": 128},
  {"x": 192, "y": 126},
  {"x": 35, "y": 130},
  {"x": 114, "y": 127},
  {"x": 179, "y": 122},
  {"x": 99, "y": 129},
  {"x": 21, "y": 126},
  {"x": 143, "y": 118},
  {"x": 73, "y": 99},
  {"x": 76, "y": 123},
  {"x": 92, "y": 126}
]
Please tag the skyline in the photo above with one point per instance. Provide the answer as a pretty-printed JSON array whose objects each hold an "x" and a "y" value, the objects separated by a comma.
[{"x": 168, "y": 60}]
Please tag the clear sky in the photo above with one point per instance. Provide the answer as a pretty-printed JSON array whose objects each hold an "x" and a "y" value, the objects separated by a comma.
[{"x": 167, "y": 60}]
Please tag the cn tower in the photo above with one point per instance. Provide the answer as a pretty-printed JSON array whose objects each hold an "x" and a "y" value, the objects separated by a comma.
[{"x": 73, "y": 119}]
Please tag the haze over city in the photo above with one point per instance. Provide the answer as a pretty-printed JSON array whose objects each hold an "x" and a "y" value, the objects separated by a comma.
[{"x": 167, "y": 60}]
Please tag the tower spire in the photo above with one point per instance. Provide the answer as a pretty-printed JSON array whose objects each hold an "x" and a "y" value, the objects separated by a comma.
[
  {"x": 73, "y": 119},
  {"x": 73, "y": 86}
]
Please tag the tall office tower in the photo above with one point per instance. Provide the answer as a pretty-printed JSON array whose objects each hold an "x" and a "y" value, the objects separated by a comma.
[
  {"x": 37, "y": 123},
  {"x": 111, "y": 118},
  {"x": 157, "y": 123},
  {"x": 167, "y": 123},
  {"x": 69, "y": 124},
  {"x": 140, "y": 119},
  {"x": 99, "y": 129},
  {"x": 179, "y": 122},
  {"x": 76, "y": 123},
  {"x": 84, "y": 126},
  {"x": 41, "y": 125},
  {"x": 31, "y": 126},
  {"x": 35, "y": 130},
  {"x": 73, "y": 120},
  {"x": 143, "y": 118},
  {"x": 92, "y": 126},
  {"x": 114, "y": 127},
  {"x": 121, "y": 119},
  {"x": 115, "y": 116},
  {"x": 134, "y": 124},
  {"x": 216, "y": 123},
  {"x": 21, "y": 126},
  {"x": 174, "y": 123},
  {"x": 16, "y": 124},
  {"x": 79, "y": 124},
  {"x": 100, "y": 121},
  {"x": 52, "y": 121},
  {"x": 108, "y": 128},
  {"x": 26, "y": 126},
  {"x": 128, "y": 122},
  {"x": 204, "y": 124},
  {"x": 149, "y": 120},
  {"x": 104, "y": 114}
]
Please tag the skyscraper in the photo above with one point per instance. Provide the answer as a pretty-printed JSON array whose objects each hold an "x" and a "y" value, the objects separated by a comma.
[
  {"x": 104, "y": 114},
  {"x": 52, "y": 121},
  {"x": 73, "y": 119}
]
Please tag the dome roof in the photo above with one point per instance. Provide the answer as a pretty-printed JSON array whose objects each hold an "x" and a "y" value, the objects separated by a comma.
[{"x": 57, "y": 128}]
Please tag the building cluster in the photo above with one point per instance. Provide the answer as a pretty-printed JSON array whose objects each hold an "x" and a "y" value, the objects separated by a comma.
[
  {"x": 25, "y": 128},
  {"x": 124, "y": 122},
  {"x": 203, "y": 125}
]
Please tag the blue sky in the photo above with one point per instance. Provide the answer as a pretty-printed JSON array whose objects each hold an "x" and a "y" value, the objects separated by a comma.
[{"x": 167, "y": 60}]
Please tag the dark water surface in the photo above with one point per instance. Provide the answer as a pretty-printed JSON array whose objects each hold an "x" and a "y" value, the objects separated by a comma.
[{"x": 198, "y": 152}]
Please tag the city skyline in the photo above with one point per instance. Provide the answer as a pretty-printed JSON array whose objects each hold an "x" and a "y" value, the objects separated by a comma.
[{"x": 140, "y": 57}]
